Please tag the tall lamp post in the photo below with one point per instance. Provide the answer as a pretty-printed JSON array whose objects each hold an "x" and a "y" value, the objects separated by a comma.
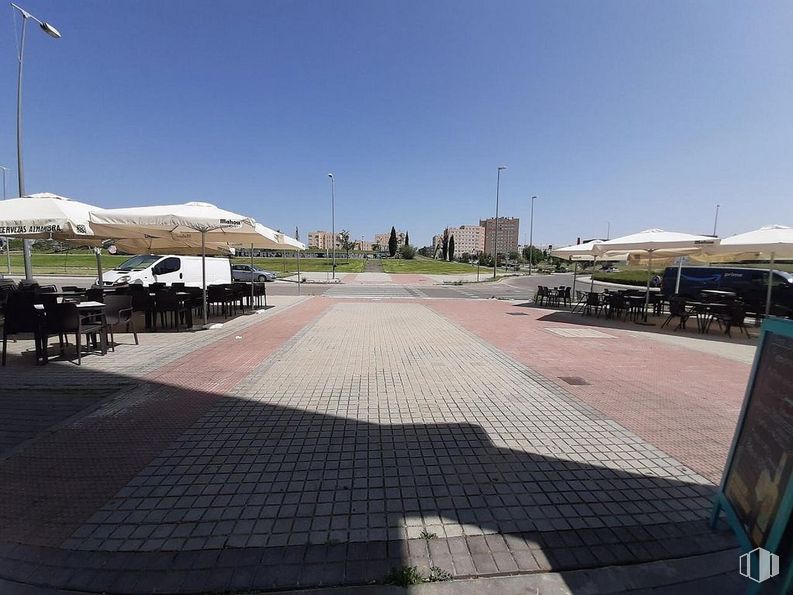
[
  {"x": 495, "y": 235},
  {"x": 333, "y": 219},
  {"x": 8, "y": 240},
  {"x": 52, "y": 32},
  {"x": 716, "y": 220},
  {"x": 531, "y": 235}
]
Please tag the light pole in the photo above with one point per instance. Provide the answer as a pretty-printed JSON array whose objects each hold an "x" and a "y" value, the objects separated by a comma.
[
  {"x": 52, "y": 32},
  {"x": 716, "y": 220},
  {"x": 8, "y": 240},
  {"x": 531, "y": 235},
  {"x": 333, "y": 219},
  {"x": 495, "y": 235},
  {"x": 608, "y": 230}
]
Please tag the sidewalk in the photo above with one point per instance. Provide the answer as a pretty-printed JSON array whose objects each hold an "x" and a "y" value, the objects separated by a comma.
[{"x": 327, "y": 442}]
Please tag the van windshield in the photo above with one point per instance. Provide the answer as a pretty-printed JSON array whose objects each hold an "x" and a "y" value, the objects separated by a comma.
[{"x": 137, "y": 263}]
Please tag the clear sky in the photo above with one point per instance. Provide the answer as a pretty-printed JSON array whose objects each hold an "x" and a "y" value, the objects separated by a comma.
[{"x": 641, "y": 114}]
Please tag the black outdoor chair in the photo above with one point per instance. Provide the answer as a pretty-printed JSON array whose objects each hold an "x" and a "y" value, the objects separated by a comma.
[
  {"x": 73, "y": 321},
  {"x": 733, "y": 315},
  {"x": 71, "y": 288},
  {"x": 566, "y": 296},
  {"x": 119, "y": 310},
  {"x": 594, "y": 302},
  {"x": 177, "y": 285},
  {"x": 94, "y": 294},
  {"x": 677, "y": 309},
  {"x": 167, "y": 302},
  {"x": 22, "y": 317},
  {"x": 541, "y": 295},
  {"x": 615, "y": 305},
  {"x": 219, "y": 297}
]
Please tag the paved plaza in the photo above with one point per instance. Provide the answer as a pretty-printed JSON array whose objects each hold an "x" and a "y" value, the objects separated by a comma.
[{"x": 333, "y": 439}]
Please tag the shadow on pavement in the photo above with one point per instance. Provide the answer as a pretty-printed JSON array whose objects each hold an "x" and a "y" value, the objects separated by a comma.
[{"x": 192, "y": 491}]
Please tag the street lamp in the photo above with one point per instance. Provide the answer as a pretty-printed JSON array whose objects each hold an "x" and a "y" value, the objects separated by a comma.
[
  {"x": 52, "y": 32},
  {"x": 531, "y": 235},
  {"x": 333, "y": 219},
  {"x": 495, "y": 236},
  {"x": 8, "y": 240},
  {"x": 716, "y": 220}
]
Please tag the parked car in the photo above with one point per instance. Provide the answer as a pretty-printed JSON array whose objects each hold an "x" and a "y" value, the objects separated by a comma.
[
  {"x": 749, "y": 284},
  {"x": 145, "y": 269},
  {"x": 246, "y": 272}
]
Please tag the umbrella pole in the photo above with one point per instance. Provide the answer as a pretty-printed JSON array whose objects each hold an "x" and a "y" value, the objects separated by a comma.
[
  {"x": 252, "y": 281},
  {"x": 647, "y": 294},
  {"x": 98, "y": 253},
  {"x": 575, "y": 273},
  {"x": 298, "y": 272},
  {"x": 592, "y": 276},
  {"x": 770, "y": 285},
  {"x": 679, "y": 271},
  {"x": 204, "y": 274}
]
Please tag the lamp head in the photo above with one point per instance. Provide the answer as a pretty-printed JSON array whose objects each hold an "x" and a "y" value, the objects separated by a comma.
[
  {"x": 500, "y": 167},
  {"x": 50, "y": 30},
  {"x": 330, "y": 176}
]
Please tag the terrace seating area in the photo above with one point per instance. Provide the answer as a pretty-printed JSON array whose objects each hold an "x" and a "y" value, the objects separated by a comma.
[
  {"x": 90, "y": 316},
  {"x": 713, "y": 308}
]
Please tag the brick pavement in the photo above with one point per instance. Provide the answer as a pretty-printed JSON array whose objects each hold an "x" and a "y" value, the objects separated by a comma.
[
  {"x": 684, "y": 401},
  {"x": 321, "y": 447}
]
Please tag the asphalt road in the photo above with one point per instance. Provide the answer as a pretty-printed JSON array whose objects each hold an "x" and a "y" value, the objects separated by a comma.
[{"x": 522, "y": 287}]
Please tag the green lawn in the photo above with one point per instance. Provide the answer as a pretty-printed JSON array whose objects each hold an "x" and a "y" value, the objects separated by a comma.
[
  {"x": 288, "y": 266},
  {"x": 84, "y": 263},
  {"x": 426, "y": 266}
]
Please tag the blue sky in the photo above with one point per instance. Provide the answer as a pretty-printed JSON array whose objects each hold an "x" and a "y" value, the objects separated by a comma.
[{"x": 641, "y": 114}]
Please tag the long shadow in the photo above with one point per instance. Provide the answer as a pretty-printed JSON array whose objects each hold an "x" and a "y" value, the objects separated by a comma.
[
  {"x": 567, "y": 317},
  {"x": 179, "y": 490}
]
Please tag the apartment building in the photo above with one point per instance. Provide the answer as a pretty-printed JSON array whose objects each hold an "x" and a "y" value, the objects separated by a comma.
[
  {"x": 508, "y": 229},
  {"x": 322, "y": 240},
  {"x": 381, "y": 239}
]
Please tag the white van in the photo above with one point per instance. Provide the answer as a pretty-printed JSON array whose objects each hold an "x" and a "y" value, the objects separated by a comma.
[{"x": 146, "y": 269}]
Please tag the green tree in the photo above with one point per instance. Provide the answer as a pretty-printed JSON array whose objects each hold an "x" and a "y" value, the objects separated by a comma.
[
  {"x": 392, "y": 243},
  {"x": 407, "y": 239},
  {"x": 465, "y": 257},
  {"x": 345, "y": 242},
  {"x": 451, "y": 248},
  {"x": 532, "y": 254},
  {"x": 407, "y": 252},
  {"x": 445, "y": 244}
]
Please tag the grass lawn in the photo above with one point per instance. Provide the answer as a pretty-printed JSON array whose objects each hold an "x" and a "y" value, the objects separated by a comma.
[
  {"x": 288, "y": 266},
  {"x": 84, "y": 263},
  {"x": 426, "y": 266}
]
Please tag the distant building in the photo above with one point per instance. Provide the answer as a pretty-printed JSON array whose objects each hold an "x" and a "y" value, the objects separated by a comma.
[
  {"x": 468, "y": 238},
  {"x": 322, "y": 240},
  {"x": 508, "y": 228},
  {"x": 382, "y": 239}
]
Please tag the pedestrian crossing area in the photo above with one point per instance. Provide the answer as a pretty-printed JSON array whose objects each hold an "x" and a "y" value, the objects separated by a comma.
[{"x": 375, "y": 292}]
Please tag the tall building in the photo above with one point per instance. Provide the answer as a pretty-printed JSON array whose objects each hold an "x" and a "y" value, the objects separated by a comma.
[
  {"x": 507, "y": 234},
  {"x": 322, "y": 240},
  {"x": 382, "y": 239},
  {"x": 468, "y": 238}
]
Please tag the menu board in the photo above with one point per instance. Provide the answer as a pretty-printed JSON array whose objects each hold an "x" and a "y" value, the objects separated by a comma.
[{"x": 761, "y": 467}]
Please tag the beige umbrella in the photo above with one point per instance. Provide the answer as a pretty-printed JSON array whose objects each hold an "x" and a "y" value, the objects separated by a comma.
[
  {"x": 656, "y": 241},
  {"x": 772, "y": 241}
]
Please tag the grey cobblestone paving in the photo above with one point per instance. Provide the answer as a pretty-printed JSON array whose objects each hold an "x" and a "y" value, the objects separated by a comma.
[{"x": 386, "y": 423}]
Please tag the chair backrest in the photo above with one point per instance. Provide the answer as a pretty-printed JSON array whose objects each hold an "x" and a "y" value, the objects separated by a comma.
[
  {"x": 216, "y": 293},
  {"x": 737, "y": 313},
  {"x": 177, "y": 285},
  {"x": 70, "y": 288},
  {"x": 115, "y": 303},
  {"x": 68, "y": 316},
  {"x": 95, "y": 294},
  {"x": 21, "y": 315},
  {"x": 677, "y": 305},
  {"x": 593, "y": 299}
]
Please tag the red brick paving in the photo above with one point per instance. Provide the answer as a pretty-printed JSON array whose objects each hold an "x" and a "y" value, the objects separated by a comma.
[
  {"x": 684, "y": 402},
  {"x": 51, "y": 487},
  {"x": 407, "y": 279}
]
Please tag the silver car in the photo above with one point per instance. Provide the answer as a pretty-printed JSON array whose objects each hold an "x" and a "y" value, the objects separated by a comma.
[{"x": 245, "y": 272}]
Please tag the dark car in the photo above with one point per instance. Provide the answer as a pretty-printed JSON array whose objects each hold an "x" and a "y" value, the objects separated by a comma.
[
  {"x": 749, "y": 284},
  {"x": 245, "y": 272}
]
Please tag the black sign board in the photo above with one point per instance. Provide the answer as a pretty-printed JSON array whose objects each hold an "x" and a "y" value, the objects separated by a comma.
[{"x": 757, "y": 488}]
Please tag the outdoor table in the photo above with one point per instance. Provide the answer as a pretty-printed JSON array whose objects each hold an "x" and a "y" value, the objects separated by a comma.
[
  {"x": 704, "y": 312},
  {"x": 718, "y": 293},
  {"x": 95, "y": 312}
]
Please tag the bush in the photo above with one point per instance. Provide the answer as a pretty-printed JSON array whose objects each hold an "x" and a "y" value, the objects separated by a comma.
[{"x": 407, "y": 252}]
